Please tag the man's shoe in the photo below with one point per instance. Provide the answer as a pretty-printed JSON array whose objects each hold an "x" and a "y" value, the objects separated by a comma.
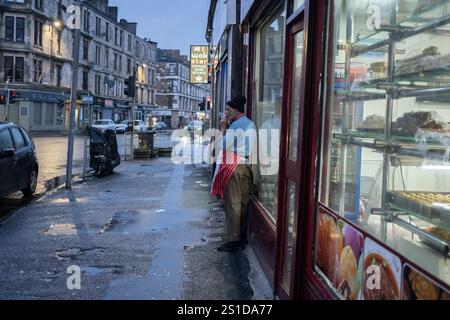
[{"x": 231, "y": 246}]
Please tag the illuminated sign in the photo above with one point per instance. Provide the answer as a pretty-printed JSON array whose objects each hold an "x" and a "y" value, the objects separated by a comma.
[{"x": 199, "y": 65}]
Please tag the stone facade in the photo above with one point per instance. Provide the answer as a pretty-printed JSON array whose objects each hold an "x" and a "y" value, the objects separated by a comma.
[{"x": 36, "y": 59}]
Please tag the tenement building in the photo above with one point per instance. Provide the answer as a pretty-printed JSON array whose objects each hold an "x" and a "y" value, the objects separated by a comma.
[
  {"x": 36, "y": 49},
  {"x": 178, "y": 100}
]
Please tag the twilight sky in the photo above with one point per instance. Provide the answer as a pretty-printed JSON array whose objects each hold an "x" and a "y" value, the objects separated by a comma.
[{"x": 174, "y": 24}]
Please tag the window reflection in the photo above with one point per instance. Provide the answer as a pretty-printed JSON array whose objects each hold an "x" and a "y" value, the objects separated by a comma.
[{"x": 268, "y": 84}]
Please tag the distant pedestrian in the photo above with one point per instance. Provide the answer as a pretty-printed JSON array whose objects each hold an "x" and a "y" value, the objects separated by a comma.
[{"x": 233, "y": 180}]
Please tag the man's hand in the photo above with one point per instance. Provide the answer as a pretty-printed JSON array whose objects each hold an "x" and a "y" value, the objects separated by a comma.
[{"x": 223, "y": 124}]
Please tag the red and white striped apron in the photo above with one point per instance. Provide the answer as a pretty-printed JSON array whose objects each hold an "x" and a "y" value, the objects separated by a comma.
[{"x": 230, "y": 161}]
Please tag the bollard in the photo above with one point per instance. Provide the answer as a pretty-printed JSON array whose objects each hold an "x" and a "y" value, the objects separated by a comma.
[{"x": 85, "y": 155}]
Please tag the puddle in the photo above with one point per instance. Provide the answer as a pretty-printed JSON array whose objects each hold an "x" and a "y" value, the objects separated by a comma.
[
  {"x": 92, "y": 271},
  {"x": 60, "y": 201},
  {"x": 69, "y": 254},
  {"x": 74, "y": 253},
  {"x": 15, "y": 201},
  {"x": 54, "y": 183},
  {"x": 163, "y": 175},
  {"x": 119, "y": 219},
  {"x": 61, "y": 230},
  {"x": 95, "y": 271}
]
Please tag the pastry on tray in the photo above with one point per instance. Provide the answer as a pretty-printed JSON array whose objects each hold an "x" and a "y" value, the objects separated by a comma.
[
  {"x": 372, "y": 123},
  {"x": 440, "y": 233},
  {"x": 426, "y": 198}
]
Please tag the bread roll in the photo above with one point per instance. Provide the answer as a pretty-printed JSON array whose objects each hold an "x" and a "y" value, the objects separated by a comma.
[{"x": 348, "y": 269}]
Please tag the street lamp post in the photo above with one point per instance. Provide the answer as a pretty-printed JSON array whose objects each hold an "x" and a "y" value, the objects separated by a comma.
[
  {"x": 132, "y": 115},
  {"x": 73, "y": 99},
  {"x": 7, "y": 100},
  {"x": 132, "y": 130}
]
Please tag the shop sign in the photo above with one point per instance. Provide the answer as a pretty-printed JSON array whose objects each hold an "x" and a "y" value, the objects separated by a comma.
[
  {"x": 87, "y": 99},
  {"x": 39, "y": 96},
  {"x": 199, "y": 65},
  {"x": 99, "y": 101},
  {"x": 109, "y": 103}
]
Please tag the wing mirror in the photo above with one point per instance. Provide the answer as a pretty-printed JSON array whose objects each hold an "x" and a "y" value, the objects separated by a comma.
[{"x": 7, "y": 153}]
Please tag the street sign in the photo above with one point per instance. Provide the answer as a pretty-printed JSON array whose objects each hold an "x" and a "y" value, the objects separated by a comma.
[
  {"x": 199, "y": 65},
  {"x": 87, "y": 99}
]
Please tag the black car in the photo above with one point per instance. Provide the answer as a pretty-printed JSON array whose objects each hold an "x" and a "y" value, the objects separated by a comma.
[{"x": 19, "y": 166}]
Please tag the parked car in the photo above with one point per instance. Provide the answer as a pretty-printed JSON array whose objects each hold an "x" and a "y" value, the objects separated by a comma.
[
  {"x": 104, "y": 124},
  {"x": 195, "y": 126},
  {"x": 160, "y": 126},
  {"x": 19, "y": 166},
  {"x": 122, "y": 127},
  {"x": 139, "y": 125}
]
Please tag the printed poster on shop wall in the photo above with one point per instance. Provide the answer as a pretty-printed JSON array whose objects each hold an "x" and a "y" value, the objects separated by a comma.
[
  {"x": 382, "y": 272},
  {"x": 417, "y": 286},
  {"x": 340, "y": 249}
]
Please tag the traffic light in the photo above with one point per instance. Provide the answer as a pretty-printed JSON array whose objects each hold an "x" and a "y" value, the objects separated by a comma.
[
  {"x": 130, "y": 87},
  {"x": 2, "y": 98},
  {"x": 208, "y": 103},
  {"x": 202, "y": 105},
  {"x": 12, "y": 96}
]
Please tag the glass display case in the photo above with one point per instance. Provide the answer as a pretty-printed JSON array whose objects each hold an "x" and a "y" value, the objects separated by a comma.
[{"x": 386, "y": 139}]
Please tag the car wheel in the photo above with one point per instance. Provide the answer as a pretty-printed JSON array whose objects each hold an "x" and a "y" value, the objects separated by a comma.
[{"x": 32, "y": 184}]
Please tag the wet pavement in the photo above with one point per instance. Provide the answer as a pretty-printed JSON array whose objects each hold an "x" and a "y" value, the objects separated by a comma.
[
  {"x": 150, "y": 231},
  {"x": 52, "y": 155},
  {"x": 51, "y": 151}
]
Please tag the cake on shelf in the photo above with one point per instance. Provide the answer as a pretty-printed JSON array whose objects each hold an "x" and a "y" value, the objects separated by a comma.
[
  {"x": 411, "y": 122},
  {"x": 372, "y": 122}
]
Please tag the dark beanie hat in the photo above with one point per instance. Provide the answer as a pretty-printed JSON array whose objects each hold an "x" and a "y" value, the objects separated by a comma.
[{"x": 238, "y": 103}]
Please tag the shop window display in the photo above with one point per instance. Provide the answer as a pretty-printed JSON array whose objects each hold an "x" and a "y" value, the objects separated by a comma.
[{"x": 386, "y": 142}]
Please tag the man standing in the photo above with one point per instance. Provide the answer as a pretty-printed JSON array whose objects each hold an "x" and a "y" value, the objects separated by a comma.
[{"x": 233, "y": 180}]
